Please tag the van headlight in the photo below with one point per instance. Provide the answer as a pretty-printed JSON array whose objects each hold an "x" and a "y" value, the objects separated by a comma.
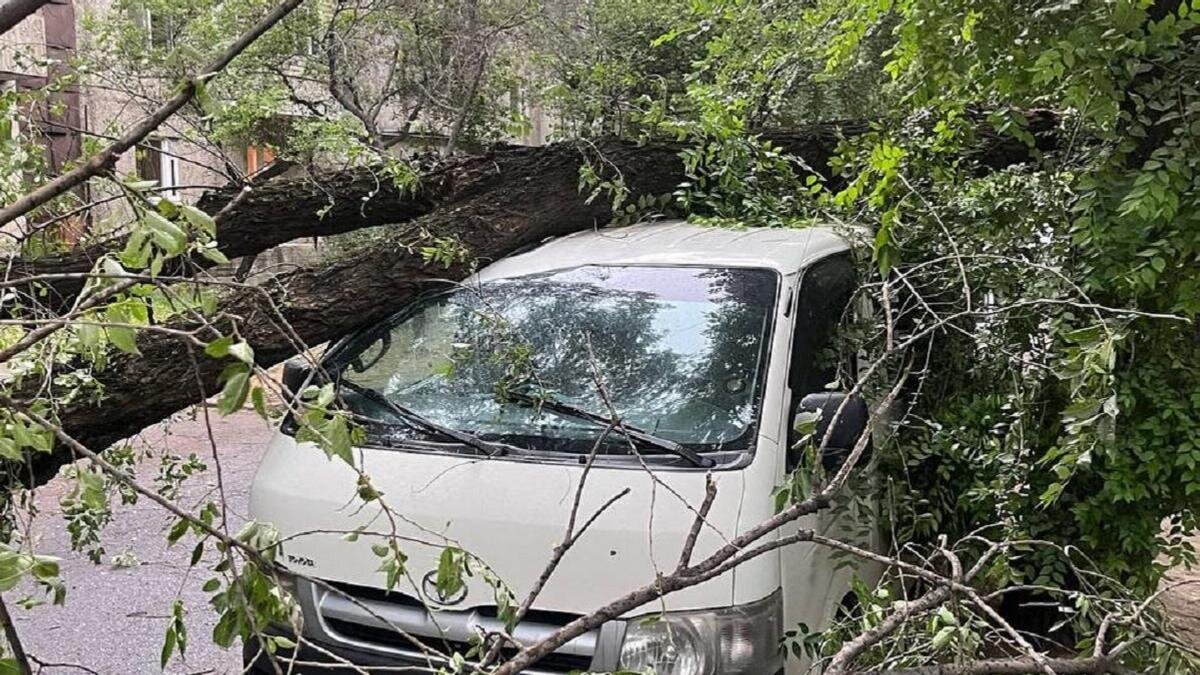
[{"x": 742, "y": 640}]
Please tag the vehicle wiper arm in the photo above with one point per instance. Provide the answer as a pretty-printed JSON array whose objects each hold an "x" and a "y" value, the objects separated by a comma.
[
  {"x": 421, "y": 422},
  {"x": 629, "y": 431}
]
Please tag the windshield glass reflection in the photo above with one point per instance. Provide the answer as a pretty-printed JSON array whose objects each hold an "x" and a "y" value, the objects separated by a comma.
[{"x": 679, "y": 351}]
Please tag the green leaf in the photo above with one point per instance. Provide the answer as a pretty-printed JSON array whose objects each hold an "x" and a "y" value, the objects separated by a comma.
[
  {"x": 168, "y": 647},
  {"x": 234, "y": 393},
  {"x": 92, "y": 492},
  {"x": 45, "y": 568},
  {"x": 219, "y": 348},
  {"x": 199, "y": 219},
  {"x": 123, "y": 338},
  {"x": 211, "y": 585},
  {"x": 450, "y": 571},
  {"x": 946, "y": 617},
  {"x": 214, "y": 254},
  {"x": 242, "y": 352},
  {"x": 226, "y": 629},
  {"x": 177, "y": 531},
  {"x": 137, "y": 249},
  {"x": 9, "y": 450},
  {"x": 171, "y": 238},
  {"x": 943, "y": 637},
  {"x": 337, "y": 437}
]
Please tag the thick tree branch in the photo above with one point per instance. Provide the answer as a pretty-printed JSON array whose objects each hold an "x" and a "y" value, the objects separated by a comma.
[
  {"x": 103, "y": 161},
  {"x": 491, "y": 216},
  {"x": 288, "y": 208},
  {"x": 13, "y": 12}
]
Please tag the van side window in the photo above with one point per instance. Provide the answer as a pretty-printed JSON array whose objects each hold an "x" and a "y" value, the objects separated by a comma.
[{"x": 825, "y": 294}]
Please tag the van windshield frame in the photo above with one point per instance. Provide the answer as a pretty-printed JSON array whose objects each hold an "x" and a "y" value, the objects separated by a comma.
[{"x": 663, "y": 296}]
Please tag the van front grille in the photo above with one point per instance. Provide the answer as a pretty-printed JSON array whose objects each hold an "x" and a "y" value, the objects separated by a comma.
[
  {"x": 396, "y": 623},
  {"x": 553, "y": 663}
]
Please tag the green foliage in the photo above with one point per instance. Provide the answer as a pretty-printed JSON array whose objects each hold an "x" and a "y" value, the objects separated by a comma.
[
  {"x": 250, "y": 599},
  {"x": 1041, "y": 411},
  {"x": 392, "y": 561},
  {"x": 330, "y": 429},
  {"x": 1057, "y": 399},
  {"x": 603, "y": 78},
  {"x": 17, "y": 565},
  {"x": 176, "y": 637},
  {"x": 444, "y": 252}
]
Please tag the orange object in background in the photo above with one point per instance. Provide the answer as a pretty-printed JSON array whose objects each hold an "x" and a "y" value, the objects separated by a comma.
[{"x": 258, "y": 156}]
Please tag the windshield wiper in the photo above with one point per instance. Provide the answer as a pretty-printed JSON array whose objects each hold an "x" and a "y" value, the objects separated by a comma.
[
  {"x": 633, "y": 433},
  {"x": 422, "y": 423}
]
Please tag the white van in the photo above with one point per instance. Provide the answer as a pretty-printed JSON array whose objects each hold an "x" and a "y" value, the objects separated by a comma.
[{"x": 485, "y": 409}]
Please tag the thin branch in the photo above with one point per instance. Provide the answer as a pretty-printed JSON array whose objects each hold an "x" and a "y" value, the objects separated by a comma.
[
  {"x": 689, "y": 545},
  {"x": 103, "y": 161},
  {"x": 1019, "y": 666}
]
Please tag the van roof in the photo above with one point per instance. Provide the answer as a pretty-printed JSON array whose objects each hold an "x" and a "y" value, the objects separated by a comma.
[{"x": 677, "y": 242}]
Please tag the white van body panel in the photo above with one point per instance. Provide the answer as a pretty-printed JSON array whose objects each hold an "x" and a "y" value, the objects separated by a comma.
[
  {"x": 676, "y": 243},
  {"x": 509, "y": 513}
]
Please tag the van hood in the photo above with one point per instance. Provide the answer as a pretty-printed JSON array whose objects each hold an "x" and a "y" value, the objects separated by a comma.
[{"x": 509, "y": 513}]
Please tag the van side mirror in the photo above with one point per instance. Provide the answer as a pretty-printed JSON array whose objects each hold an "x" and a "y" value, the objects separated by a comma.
[
  {"x": 295, "y": 375},
  {"x": 850, "y": 425}
]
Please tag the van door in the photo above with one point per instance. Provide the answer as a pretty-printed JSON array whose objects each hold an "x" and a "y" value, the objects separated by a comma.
[{"x": 813, "y": 583}]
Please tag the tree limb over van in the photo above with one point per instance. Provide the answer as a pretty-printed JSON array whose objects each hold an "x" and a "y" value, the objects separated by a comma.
[
  {"x": 478, "y": 208},
  {"x": 284, "y": 209}
]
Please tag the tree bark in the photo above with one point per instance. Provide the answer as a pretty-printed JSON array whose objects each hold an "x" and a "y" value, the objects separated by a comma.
[
  {"x": 13, "y": 12},
  {"x": 285, "y": 209},
  {"x": 492, "y": 213}
]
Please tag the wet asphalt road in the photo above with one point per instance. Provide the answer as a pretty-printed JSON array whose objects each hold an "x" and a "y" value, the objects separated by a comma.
[{"x": 114, "y": 618}]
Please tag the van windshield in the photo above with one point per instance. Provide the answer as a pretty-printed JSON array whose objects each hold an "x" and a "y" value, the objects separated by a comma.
[{"x": 679, "y": 352}]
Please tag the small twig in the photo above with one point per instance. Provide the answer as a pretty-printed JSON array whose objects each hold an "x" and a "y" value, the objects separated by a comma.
[
  {"x": 1016, "y": 666},
  {"x": 689, "y": 544}
]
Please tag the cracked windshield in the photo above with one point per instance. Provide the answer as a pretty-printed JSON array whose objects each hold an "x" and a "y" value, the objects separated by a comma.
[{"x": 679, "y": 350}]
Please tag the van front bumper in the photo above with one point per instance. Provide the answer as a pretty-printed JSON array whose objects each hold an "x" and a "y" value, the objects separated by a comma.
[
  {"x": 345, "y": 624},
  {"x": 312, "y": 656},
  {"x": 320, "y": 658}
]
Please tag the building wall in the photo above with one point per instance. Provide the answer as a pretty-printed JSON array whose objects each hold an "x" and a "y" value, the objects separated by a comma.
[{"x": 91, "y": 110}]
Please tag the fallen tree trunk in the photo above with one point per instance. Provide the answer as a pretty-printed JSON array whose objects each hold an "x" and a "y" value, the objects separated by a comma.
[
  {"x": 286, "y": 209},
  {"x": 492, "y": 214},
  {"x": 491, "y": 205},
  {"x": 13, "y": 12}
]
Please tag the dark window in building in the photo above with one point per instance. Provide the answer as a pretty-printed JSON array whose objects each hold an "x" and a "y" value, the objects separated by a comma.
[
  {"x": 149, "y": 160},
  {"x": 161, "y": 28},
  {"x": 157, "y": 162}
]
